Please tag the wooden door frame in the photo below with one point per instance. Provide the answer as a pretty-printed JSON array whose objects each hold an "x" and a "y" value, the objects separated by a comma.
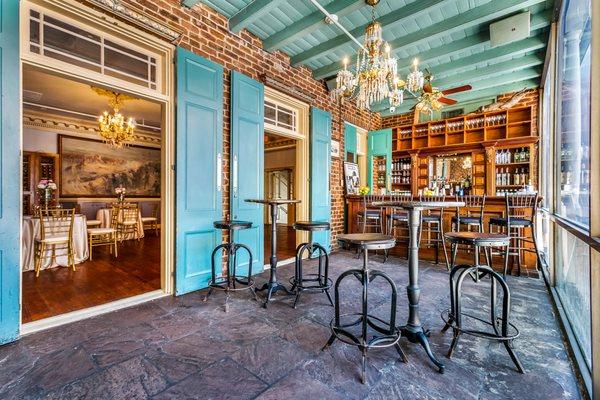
[
  {"x": 86, "y": 15},
  {"x": 302, "y": 169}
]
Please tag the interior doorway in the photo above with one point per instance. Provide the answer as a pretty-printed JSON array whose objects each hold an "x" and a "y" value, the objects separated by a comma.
[
  {"x": 79, "y": 68},
  {"x": 115, "y": 245},
  {"x": 280, "y": 178},
  {"x": 286, "y": 168}
]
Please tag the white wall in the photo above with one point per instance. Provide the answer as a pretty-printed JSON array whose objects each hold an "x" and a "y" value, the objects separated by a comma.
[{"x": 35, "y": 140}]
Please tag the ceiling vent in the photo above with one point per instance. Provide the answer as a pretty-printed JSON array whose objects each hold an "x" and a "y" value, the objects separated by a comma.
[
  {"x": 31, "y": 96},
  {"x": 510, "y": 30}
]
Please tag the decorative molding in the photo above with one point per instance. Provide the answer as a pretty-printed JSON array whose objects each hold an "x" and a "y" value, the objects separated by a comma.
[
  {"x": 138, "y": 18},
  {"x": 287, "y": 89},
  {"x": 490, "y": 155},
  {"x": 280, "y": 144},
  {"x": 79, "y": 127}
]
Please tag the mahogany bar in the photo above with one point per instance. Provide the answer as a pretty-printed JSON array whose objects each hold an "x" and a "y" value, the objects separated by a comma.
[{"x": 488, "y": 153}]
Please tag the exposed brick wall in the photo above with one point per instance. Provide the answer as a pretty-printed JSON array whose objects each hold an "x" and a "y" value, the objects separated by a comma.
[
  {"x": 206, "y": 34},
  {"x": 531, "y": 98}
]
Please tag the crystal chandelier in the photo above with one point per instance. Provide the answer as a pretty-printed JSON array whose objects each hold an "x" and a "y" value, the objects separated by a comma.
[
  {"x": 114, "y": 129},
  {"x": 376, "y": 72},
  {"x": 415, "y": 79}
]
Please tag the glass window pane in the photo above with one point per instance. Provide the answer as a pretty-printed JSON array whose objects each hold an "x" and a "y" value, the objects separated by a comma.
[
  {"x": 71, "y": 44},
  {"x": 573, "y": 286},
  {"x": 121, "y": 62},
  {"x": 573, "y": 92}
]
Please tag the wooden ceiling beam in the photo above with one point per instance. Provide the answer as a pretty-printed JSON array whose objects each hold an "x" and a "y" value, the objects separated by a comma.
[
  {"x": 309, "y": 24},
  {"x": 485, "y": 13},
  {"x": 410, "y": 11},
  {"x": 251, "y": 13}
]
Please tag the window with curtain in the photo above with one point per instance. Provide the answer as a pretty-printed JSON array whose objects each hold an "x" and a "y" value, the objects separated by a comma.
[{"x": 572, "y": 173}]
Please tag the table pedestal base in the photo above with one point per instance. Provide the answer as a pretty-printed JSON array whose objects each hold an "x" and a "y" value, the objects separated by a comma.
[
  {"x": 420, "y": 336},
  {"x": 272, "y": 288}
]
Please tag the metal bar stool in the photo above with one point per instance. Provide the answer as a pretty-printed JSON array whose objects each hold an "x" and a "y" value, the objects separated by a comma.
[
  {"x": 503, "y": 330},
  {"x": 229, "y": 282},
  {"x": 520, "y": 211},
  {"x": 397, "y": 219},
  {"x": 319, "y": 282},
  {"x": 375, "y": 332},
  {"x": 435, "y": 225}
]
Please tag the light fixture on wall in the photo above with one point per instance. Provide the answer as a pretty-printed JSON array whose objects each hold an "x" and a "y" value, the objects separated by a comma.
[
  {"x": 114, "y": 129},
  {"x": 376, "y": 73}
]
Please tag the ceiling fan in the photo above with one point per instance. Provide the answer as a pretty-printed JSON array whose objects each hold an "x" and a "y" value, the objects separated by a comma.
[{"x": 433, "y": 99}]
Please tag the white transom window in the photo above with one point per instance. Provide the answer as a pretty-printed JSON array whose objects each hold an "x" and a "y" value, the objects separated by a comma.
[
  {"x": 279, "y": 117},
  {"x": 63, "y": 40}
]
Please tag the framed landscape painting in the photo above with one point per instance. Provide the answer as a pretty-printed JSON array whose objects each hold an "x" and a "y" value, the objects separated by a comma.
[{"x": 91, "y": 168}]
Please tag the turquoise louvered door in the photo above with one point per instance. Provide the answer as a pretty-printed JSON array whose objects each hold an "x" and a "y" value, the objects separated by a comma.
[
  {"x": 379, "y": 145},
  {"x": 350, "y": 143},
  {"x": 198, "y": 168},
  {"x": 9, "y": 171},
  {"x": 320, "y": 163},
  {"x": 247, "y": 165}
]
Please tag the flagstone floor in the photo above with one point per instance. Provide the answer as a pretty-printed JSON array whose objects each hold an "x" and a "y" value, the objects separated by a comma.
[{"x": 185, "y": 348}]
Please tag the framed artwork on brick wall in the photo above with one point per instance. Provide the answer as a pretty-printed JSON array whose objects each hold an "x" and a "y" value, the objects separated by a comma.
[{"x": 351, "y": 177}]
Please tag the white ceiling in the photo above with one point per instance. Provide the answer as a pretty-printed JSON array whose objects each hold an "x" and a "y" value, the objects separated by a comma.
[{"x": 71, "y": 95}]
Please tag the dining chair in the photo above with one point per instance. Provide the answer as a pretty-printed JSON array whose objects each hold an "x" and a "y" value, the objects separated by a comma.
[
  {"x": 370, "y": 218},
  {"x": 151, "y": 222},
  {"x": 56, "y": 233},
  {"x": 127, "y": 221},
  {"x": 104, "y": 236}
]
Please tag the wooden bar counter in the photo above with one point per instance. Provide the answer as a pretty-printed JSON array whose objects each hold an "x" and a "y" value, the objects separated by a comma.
[{"x": 494, "y": 207}]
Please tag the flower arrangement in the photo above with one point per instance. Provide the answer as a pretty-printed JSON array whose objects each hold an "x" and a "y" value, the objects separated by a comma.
[
  {"x": 120, "y": 192},
  {"x": 364, "y": 190},
  {"x": 46, "y": 188}
]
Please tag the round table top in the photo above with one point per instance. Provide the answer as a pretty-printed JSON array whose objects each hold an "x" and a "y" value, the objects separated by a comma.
[
  {"x": 366, "y": 238},
  {"x": 419, "y": 205},
  {"x": 272, "y": 201}
]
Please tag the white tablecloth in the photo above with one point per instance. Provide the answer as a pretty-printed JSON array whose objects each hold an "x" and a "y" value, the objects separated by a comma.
[
  {"x": 31, "y": 231},
  {"x": 104, "y": 215}
]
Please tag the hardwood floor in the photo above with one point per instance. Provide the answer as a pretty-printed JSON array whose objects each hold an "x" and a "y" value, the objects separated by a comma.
[
  {"x": 286, "y": 242},
  {"x": 60, "y": 290}
]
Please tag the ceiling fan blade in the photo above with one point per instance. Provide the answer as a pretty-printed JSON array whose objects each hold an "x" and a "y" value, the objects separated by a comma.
[
  {"x": 447, "y": 101},
  {"x": 427, "y": 87},
  {"x": 457, "y": 89}
]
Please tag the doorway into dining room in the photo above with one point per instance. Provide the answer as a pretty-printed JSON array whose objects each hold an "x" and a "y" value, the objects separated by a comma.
[
  {"x": 91, "y": 228},
  {"x": 97, "y": 146}
]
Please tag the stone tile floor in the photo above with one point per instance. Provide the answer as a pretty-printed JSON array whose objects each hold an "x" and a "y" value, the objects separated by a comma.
[{"x": 185, "y": 348}]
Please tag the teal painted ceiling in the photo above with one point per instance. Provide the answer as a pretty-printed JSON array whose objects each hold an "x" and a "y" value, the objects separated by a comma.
[{"x": 449, "y": 37}]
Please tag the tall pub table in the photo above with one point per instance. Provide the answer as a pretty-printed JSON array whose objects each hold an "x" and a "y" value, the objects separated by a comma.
[
  {"x": 273, "y": 286},
  {"x": 413, "y": 330}
]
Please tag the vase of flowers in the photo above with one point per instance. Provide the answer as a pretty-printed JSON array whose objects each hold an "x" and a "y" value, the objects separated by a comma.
[
  {"x": 46, "y": 188},
  {"x": 120, "y": 192}
]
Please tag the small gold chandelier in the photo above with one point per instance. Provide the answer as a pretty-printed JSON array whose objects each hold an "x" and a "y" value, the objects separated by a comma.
[
  {"x": 376, "y": 72},
  {"x": 112, "y": 127}
]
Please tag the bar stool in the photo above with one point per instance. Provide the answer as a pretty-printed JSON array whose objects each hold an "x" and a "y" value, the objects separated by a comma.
[
  {"x": 468, "y": 216},
  {"x": 520, "y": 211},
  {"x": 370, "y": 218},
  {"x": 397, "y": 219},
  {"x": 319, "y": 282},
  {"x": 375, "y": 332},
  {"x": 503, "y": 330},
  {"x": 229, "y": 282},
  {"x": 435, "y": 225}
]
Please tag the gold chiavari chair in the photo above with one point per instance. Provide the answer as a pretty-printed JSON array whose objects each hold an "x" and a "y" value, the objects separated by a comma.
[
  {"x": 151, "y": 222},
  {"x": 56, "y": 233},
  {"x": 104, "y": 236},
  {"x": 127, "y": 221}
]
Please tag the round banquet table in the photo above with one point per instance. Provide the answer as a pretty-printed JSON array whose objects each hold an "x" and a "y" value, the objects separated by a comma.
[
  {"x": 104, "y": 215},
  {"x": 31, "y": 231}
]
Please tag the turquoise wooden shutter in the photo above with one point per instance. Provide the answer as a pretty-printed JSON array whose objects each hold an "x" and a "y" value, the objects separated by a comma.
[
  {"x": 10, "y": 270},
  {"x": 320, "y": 162},
  {"x": 247, "y": 165},
  {"x": 379, "y": 144},
  {"x": 198, "y": 168},
  {"x": 350, "y": 140}
]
